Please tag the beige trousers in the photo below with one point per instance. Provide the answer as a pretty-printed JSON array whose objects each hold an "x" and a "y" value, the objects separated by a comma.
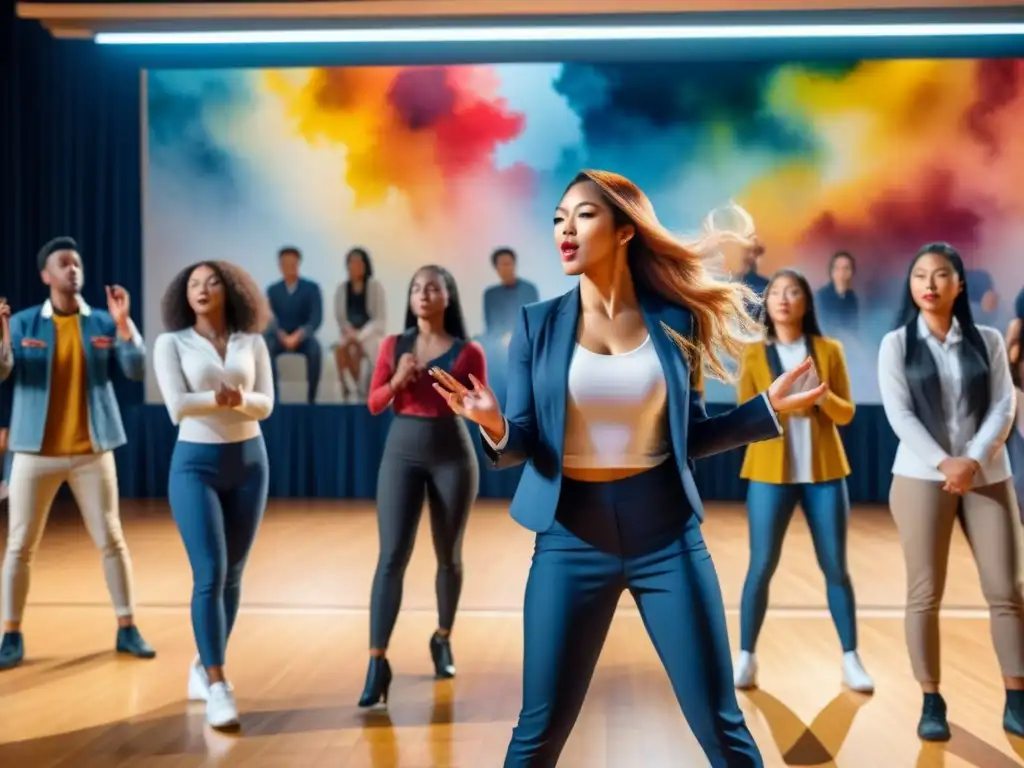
[
  {"x": 925, "y": 516},
  {"x": 34, "y": 483}
]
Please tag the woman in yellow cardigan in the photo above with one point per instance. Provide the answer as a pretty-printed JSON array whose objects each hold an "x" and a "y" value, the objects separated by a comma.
[{"x": 806, "y": 465}]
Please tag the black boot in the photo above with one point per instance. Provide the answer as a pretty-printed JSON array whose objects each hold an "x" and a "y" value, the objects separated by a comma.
[
  {"x": 1013, "y": 715},
  {"x": 378, "y": 681},
  {"x": 933, "y": 725},
  {"x": 441, "y": 653}
]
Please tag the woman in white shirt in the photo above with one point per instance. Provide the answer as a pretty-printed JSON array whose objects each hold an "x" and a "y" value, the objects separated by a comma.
[
  {"x": 946, "y": 388},
  {"x": 213, "y": 369}
]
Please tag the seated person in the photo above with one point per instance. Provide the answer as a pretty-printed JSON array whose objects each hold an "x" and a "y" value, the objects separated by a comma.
[
  {"x": 298, "y": 309},
  {"x": 360, "y": 310}
]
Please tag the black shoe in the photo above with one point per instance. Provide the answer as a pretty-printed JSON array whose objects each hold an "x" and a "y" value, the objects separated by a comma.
[
  {"x": 131, "y": 642},
  {"x": 1013, "y": 715},
  {"x": 441, "y": 653},
  {"x": 378, "y": 682},
  {"x": 933, "y": 725},
  {"x": 12, "y": 650}
]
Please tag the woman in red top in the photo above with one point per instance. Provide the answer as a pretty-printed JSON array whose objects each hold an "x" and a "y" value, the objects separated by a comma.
[{"x": 428, "y": 454}]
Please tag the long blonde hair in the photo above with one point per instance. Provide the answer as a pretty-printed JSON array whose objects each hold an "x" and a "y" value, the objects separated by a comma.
[{"x": 678, "y": 271}]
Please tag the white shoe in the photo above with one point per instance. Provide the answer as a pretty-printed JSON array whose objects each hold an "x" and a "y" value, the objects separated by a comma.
[
  {"x": 855, "y": 676},
  {"x": 745, "y": 677},
  {"x": 198, "y": 682},
  {"x": 221, "y": 710}
]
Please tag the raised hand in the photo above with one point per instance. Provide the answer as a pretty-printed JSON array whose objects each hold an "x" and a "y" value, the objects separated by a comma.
[
  {"x": 5, "y": 321},
  {"x": 478, "y": 404},
  {"x": 228, "y": 396},
  {"x": 782, "y": 401},
  {"x": 118, "y": 304}
]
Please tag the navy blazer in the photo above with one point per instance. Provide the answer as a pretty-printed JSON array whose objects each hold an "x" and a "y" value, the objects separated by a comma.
[{"x": 538, "y": 373}]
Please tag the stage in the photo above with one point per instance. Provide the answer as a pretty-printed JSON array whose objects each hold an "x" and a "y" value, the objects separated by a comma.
[{"x": 298, "y": 658}]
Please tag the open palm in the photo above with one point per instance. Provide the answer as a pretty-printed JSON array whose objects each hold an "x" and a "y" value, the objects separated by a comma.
[
  {"x": 478, "y": 404},
  {"x": 784, "y": 401}
]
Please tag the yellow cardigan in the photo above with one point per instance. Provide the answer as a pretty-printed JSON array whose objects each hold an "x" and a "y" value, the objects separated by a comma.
[{"x": 765, "y": 462}]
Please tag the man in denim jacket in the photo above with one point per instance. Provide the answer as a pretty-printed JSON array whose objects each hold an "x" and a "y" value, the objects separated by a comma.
[{"x": 65, "y": 425}]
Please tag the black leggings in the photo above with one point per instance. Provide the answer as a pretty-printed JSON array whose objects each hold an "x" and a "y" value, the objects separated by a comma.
[{"x": 423, "y": 458}]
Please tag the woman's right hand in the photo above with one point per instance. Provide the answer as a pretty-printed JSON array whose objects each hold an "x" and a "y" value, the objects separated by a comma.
[
  {"x": 406, "y": 371},
  {"x": 229, "y": 396},
  {"x": 478, "y": 404}
]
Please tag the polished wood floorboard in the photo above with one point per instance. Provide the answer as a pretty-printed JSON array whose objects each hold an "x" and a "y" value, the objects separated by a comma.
[{"x": 297, "y": 658}]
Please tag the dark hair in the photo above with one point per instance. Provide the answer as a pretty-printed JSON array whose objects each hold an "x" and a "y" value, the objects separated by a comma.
[
  {"x": 52, "y": 247},
  {"x": 841, "y": 255},
  {"x": 289, "y": 250},
  {"x": 245, "y": 307},
  {"x": 454, "y": 324},
  {"x": 922, "y": 375},
  {"x": 503, "y": 251},
  {"x": 809, "y": 325},
  {"x": 361, "y": 253}
]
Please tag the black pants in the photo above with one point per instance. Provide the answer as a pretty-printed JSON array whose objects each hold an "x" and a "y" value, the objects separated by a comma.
[
  {"x": 430, "y": 459},
  {"x": 636, "y": 534}
]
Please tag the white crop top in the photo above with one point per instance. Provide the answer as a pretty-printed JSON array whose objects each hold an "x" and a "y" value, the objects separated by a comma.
[
  {"x": 616, "y": 410},
  {"x": 189, "y": 371}
]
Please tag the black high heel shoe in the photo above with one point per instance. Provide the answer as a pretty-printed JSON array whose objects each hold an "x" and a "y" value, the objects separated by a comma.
[
  {"x": 441, "y": 653},
  {"x": 378, "y": 682}
]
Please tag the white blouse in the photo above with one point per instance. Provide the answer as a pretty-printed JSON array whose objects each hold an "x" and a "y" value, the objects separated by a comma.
[
  {"x": 799, "y": 445},
  {"x": 919, "y": 454},
  {"x": 189, "y": 371}
]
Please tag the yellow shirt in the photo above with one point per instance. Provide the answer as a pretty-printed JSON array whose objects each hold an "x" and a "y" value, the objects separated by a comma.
[{"x": 67, "y": 416}]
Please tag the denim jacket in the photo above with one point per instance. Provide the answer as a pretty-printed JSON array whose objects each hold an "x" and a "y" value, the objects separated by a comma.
[{"x": 28, "y": 355}]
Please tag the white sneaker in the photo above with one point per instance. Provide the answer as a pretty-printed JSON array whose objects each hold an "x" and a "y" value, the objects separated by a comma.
[
  {"x": 855, "y": 676},
  {"x": 198, "y": 682},
  {"x": 221, "y": 710},
  {"x": 745, "y": 677}
]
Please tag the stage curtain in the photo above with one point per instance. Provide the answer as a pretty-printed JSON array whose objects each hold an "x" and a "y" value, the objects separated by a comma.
[
  {"x": 69, "y": 165},
  {"x": 333, "y": 451}
]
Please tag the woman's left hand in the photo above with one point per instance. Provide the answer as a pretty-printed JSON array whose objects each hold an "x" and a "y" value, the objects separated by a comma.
[{"x": 783, "y": 401}]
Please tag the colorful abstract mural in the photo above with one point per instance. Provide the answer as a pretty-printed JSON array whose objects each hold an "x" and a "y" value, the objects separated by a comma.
[{"x": 443, "y": 164}]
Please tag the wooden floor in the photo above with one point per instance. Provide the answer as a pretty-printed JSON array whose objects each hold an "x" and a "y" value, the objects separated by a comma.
[{"x": 298, "y": 658}]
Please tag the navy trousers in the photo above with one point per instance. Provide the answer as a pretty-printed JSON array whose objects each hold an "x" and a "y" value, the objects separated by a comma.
[
  {"x": 634, "y": 534},
  {"x": 218, "y": 493},
  {"x": 770, "y": 507}
]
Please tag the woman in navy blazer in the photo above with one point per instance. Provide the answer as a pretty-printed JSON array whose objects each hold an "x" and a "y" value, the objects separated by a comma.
[{"x": 604, "y": 406}]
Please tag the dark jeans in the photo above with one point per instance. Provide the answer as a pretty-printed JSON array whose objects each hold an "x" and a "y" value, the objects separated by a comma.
[
  {"x": 634, "y": 534},
  {"x": 770, "y": 507},
  {"x": 218, "y": 493},
  {"x": 309, "y": 349},
  {"x": 424, "y": 459}
]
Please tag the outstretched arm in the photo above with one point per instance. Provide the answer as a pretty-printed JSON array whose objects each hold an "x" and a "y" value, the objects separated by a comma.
[
  {"x": 751, "y": 422},
  {"x": 520, "y": 437}
]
